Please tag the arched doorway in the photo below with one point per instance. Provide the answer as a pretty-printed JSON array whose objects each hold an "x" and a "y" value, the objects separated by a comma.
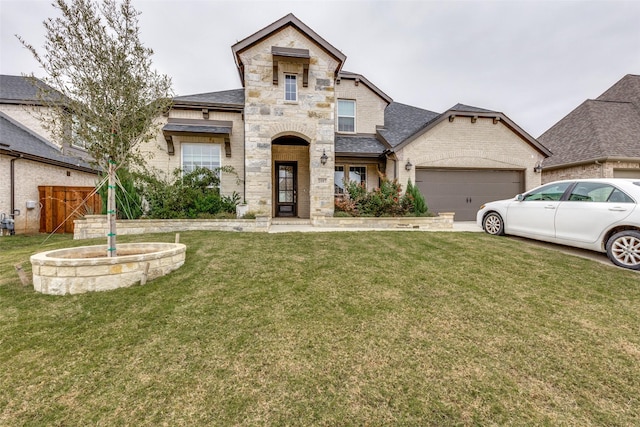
[{"x": 291, "y": 177}]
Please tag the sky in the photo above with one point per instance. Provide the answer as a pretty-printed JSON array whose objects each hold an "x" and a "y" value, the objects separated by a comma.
[{"x": 534, "y": 61}]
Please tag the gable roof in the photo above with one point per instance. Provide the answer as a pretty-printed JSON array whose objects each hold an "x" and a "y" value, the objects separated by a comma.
[
  {"x": 18, "y": 141},
  {"x": 601, "y": 129},
  {"x": 288, "y": 20},
  {"x": 403, "y": 123},
  {"x": 360, "y": 78}
]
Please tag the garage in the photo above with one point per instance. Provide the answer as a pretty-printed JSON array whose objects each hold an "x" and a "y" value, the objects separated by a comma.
[{"x": 463, "y": 191}]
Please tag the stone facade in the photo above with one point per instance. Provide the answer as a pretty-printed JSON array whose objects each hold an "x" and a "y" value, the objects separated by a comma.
[{"x": 269, "y": 116}]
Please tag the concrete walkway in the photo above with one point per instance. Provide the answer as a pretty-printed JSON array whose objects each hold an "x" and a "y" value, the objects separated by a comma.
[{"x": 308, "y": 228}]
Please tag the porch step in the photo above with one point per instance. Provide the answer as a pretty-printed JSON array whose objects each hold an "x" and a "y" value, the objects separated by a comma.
[{"x": 290, "y": 221}]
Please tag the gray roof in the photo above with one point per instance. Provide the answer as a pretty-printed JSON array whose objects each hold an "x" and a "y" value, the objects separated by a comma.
[
  {"x": 21, "y": 90},
  {"x": 216, "y": 130},
  {"x": 605, "y": 128},
  {"x": 16, "y": 139},
  {"x": 402, "y": 121},
  {"x": 470, "y": 109},
  {"x": 358, "y": 145},
  {"x": 234, "y": 98}
]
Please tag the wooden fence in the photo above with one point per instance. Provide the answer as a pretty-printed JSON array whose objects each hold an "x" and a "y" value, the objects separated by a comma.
[{"x": 62, "y": 205}]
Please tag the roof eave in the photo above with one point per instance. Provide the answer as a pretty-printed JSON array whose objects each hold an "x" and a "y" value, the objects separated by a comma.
[
  {"x": 595, "y": 160},
  {"x": 451, "y": 114},
  {"x": 32, "y": 157}
]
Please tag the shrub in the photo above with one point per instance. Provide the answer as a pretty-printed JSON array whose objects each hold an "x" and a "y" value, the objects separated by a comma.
[
  {"x": 387, "y": 200},
  {"x": 191, "y": 195},
  {"x": 416, "y": 200},
  {"x": 128, "y": 196}
]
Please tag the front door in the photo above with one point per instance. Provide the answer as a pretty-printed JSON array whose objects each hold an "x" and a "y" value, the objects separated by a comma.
[{"x": 286, "y": 189}]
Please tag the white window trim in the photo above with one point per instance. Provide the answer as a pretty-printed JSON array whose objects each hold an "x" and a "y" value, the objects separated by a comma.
[
  {"x": 295, "y": 77},
  {"x": 184, "y": 144},
  {"x": 355, "y": 111}
]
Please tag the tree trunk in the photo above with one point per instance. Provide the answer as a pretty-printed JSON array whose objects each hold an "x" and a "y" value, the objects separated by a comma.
[{"x": 111, "y": 210}]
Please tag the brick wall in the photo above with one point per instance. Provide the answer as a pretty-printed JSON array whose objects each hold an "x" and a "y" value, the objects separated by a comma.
[
  {"x": 28, "y": 176},
  {"x": 463, "y": 144}
]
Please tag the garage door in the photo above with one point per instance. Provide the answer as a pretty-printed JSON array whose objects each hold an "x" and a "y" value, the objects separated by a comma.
[
  {"x": 626, "y": 173},
  {"x": 463, "y": 191}
]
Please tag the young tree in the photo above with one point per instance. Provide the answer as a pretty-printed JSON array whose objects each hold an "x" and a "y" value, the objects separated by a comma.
[{"x": 112, "y": 97}]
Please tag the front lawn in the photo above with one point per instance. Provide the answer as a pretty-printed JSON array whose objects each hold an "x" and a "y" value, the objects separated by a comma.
[{"x": 336, "y": 329}]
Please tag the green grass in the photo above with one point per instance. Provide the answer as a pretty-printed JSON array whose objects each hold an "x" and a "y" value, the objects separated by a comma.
[{"x": 348, "y": 329}]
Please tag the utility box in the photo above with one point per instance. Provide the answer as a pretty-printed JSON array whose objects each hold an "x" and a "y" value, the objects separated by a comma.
[{"x": 31, "y": 204}]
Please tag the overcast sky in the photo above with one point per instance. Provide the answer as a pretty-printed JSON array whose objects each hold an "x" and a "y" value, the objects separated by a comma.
[{"x": 535, "y": 61}]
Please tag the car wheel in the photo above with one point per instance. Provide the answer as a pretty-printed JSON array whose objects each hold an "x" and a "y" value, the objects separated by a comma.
[
  {"x": 623, "y": 249},
  {"x": 493, "y": 224}
]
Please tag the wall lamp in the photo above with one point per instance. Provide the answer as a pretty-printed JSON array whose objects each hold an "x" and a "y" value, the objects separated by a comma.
[
  {"x": 408, "y": 166},
  {"x": 324, "y": 158},
  {"x": 537, "y": 168}
]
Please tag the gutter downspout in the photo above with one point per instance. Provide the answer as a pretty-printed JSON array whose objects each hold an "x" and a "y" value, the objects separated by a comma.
[{"x": 12, "y": 178}]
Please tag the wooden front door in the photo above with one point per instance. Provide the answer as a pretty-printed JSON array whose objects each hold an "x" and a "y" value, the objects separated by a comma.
[{"x": 286, "y": 189}]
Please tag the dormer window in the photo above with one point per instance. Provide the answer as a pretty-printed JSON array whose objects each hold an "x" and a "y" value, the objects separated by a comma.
[
  {"x": 346, "y": 115},
  {"x": 290, "y": 87}
]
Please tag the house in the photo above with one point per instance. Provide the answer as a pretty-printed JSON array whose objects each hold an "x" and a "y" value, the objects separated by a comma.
[
  {"x": 34, "y": 171},
  {"x": 300, "y": 125},
  {"x": 599, "y": 139}
]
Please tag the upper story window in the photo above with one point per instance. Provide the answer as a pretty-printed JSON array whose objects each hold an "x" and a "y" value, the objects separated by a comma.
[
  {"x": 346, "y": 115},
  {"x": 202, "y": 155},
  {"x": 290, "y": 87}
]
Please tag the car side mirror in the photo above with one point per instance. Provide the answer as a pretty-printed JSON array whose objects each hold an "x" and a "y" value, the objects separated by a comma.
[{"x": 520, "y": 197}]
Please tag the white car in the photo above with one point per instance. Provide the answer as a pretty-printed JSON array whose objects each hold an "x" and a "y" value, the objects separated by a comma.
[{"x": 597, "y": 214}]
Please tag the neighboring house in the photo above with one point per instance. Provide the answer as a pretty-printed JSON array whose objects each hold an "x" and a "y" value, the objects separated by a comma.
[
  {"x": 599, "y": 139},
  {"x": 29, "y": 159},
  {"x": 301, "y": 124}
]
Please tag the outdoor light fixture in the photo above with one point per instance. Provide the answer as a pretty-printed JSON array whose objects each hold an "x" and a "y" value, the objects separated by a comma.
[
  {"x": 324, "y": 158},
  {"x": 537, "y": 168},
  {"x": 408, "y": 166}
]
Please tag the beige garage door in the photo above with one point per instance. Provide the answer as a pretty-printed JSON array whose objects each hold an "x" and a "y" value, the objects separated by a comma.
[
  {"x": 463, "y": 191},
  {"x": 626, "y": 173}
]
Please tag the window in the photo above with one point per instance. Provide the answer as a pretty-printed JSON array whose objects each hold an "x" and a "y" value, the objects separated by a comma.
[
  {"x": 290, "y": 87},
  {"x": 358, "y": 174},
  {"x": 346, "y": 115},
  {"x": 338, "y": 180},
  {"x": 598, "y": 192},
  {"x": 200, "y": 154},
  {"x": 77, "y": 141},
  {"x": 548, "y": 192}
]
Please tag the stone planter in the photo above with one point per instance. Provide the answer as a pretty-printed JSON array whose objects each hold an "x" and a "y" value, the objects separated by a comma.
[{"x": 88, "y": 269}]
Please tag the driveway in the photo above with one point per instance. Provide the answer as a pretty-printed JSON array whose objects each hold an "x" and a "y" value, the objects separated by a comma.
[{"x": 583, "y": 253}]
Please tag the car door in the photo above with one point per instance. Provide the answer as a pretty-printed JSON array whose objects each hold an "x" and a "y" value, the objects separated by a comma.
[
  {"x": 534, "y": 215},
  {"x": 591, "y": 208}
]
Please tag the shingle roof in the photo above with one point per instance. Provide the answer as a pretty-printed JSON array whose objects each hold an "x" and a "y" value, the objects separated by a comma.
[
  {"x": 234, "y": 97},
  {"x": 17, "y": 139},
  {"x": 608, "y": 127},
  {"x": 21, "y": 90},
  {"x": 358, "y": 144},
  {"x": 401, "y": 121}
]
